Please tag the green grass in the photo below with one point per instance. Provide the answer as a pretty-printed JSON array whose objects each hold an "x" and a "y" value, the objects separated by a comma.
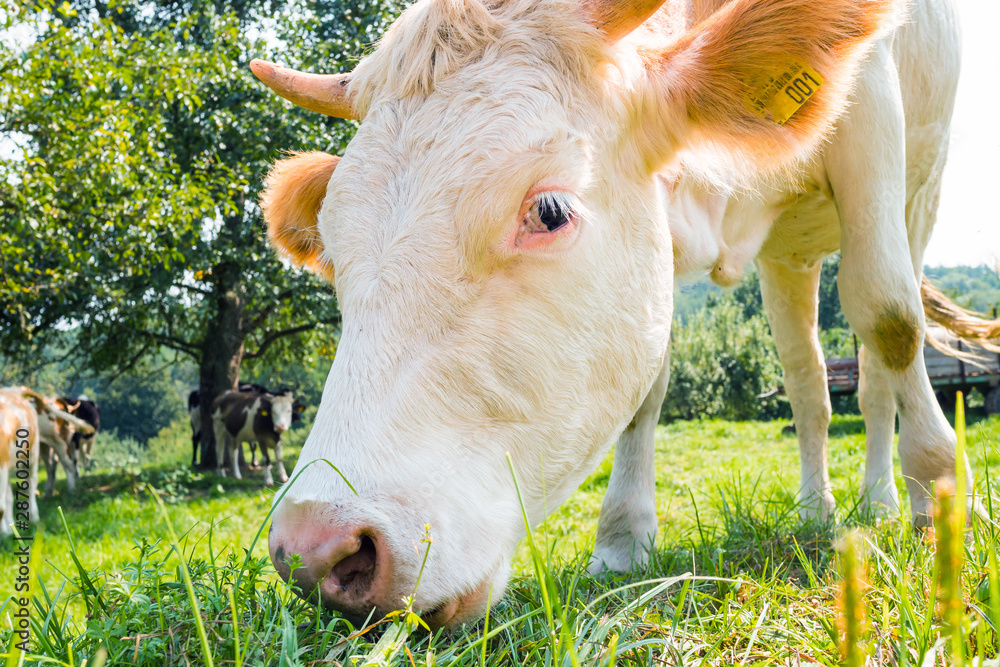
[{"x": 737, "y": 579}]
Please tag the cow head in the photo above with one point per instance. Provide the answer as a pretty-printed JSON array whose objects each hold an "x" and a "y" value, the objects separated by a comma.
[
  {"x": 282, "y": 409},
  {"x": 499, "y": 248}
]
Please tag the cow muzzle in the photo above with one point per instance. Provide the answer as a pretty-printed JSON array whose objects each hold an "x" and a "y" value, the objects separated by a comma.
[
  {"x": 348, "y": 565},
  {"x": 342, "y": 565}
]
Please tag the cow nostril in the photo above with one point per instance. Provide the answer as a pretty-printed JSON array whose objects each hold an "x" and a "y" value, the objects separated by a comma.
[{"x": 356, "y": 572}]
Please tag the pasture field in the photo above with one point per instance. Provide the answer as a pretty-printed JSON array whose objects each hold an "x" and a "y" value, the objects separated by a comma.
[{"x": 737, "y": 578}]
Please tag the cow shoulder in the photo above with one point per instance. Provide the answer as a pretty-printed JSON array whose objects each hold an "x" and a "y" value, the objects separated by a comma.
[{"x": 263, "y": 420}]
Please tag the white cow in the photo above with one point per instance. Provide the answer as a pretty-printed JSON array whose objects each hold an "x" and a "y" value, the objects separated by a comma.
[
  {"x": 871, "y": 193},
  {"x": 498, "y": 240}
]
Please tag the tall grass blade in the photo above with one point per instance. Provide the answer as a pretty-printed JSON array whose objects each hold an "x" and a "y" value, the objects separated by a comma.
[
  {"x": 192, "y": 598},
  {"x": 854, "y": 650}
]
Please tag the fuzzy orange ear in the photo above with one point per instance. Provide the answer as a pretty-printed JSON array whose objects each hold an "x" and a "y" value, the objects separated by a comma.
[
  {"x": 291, "y": 201},
  {"x": 726, "y": 81}
]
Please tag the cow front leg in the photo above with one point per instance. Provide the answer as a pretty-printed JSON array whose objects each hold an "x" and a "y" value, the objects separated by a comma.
[
  {"x": 879, "y": 291},
  {"x": 279, "y": 457},
  {"x": 880, "y": 498},
  {"x": 268, "y": 480},
  {"x": 626, "y": 531},
  {"x": 253, "y": 454},
  {"x": 235, "y": 449},
  {"x": 6, "y": 502},
  {"x": 221, "y": 438},
  {"x": 790, "y": 290}
]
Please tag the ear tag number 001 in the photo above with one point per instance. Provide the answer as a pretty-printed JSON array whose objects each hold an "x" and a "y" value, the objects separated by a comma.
[{"x": 779, "y": 96}]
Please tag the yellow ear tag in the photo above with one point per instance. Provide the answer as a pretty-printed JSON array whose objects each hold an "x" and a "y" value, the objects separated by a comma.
[
  {"x": 263, "y": 413},
  {"x": 777, "y": 94}
]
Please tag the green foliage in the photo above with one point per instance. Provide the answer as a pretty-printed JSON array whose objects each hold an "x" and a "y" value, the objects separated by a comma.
[
  {"x": 129, "y": 215},
  {"x": 975, "y": 287},
  {"x": 139, "y": 406},
  {"x": 830, "y": 314},
  {"x": 720, "y": 362}
]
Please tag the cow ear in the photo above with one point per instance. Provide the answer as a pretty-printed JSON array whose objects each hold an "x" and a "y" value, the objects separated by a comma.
[
  {"x": 291, "y": 201},
  {"x": 762, "y": 79}
]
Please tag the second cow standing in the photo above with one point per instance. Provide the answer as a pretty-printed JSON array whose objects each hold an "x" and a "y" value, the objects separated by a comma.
[{"x": 250, "y": 417}]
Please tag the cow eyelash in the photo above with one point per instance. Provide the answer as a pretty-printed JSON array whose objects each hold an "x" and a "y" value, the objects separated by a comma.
[{"x": 549, "y": 212}]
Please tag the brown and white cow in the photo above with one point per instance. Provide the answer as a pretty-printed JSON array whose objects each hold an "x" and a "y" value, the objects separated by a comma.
[
  {"x": 59, "y": 429},
  {"x": 18, "y": 443},
  {"x": 498, "y": 240},
  {"x": 240, "y": 417}
]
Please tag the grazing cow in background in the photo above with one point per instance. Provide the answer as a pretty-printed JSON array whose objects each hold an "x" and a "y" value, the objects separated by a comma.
[
  {"x": 83, "y": 443},
  {"x": 194, "y": 413},
  {"x": 18, "y": 441},
  {"x": 498, "y": 240},
  {"x": 240, "y": 417},
  {"x": 58, "y": 428}
]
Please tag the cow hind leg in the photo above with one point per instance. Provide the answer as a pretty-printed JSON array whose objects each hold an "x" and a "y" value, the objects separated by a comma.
[
  {"x": 878, "y": 289},
  {"x": 790, "y": 291},
  {"x": 626, "y": 531},
  {"x": 50, "y": 472},
  {"x": 195, "y": 443},
  {"x": 880, "y": 498},
  {"x": 33, "y": 455},
  {"x": 68, "y": 467},
  {"x": 221, "y": 440}
]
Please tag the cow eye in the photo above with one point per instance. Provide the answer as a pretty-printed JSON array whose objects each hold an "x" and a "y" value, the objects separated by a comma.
[{"x": 548, "y": 212}]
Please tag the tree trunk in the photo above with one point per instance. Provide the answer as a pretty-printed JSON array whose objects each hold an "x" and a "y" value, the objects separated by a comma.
[{"x": 222, "y": 352}]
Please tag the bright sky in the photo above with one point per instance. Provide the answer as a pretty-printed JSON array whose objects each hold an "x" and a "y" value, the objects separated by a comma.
[{"x": 968, "y": 224}]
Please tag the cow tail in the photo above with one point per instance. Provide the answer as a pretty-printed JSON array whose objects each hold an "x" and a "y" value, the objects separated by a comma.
[{"x": 963, "y": 323}]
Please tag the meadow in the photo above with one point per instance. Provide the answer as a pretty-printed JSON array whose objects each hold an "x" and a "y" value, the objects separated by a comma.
[{"x": 737, "y": 577}]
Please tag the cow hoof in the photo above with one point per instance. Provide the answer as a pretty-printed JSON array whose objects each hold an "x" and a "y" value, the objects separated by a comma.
[
  {"x": 268, "y": 482},
  {"x": 623, "y": 555},
  {"x": 817, "y": 509}
]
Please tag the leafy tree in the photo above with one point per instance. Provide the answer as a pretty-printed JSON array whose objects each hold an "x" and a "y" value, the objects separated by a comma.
[
  {"x": 721, "y": 362},
  {"x": 129, "y": 212},
  {"x": 831, "y": 316},
  {"x": 139, "y": 406}
]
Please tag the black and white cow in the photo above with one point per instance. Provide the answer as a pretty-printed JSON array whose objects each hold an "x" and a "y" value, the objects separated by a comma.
[
  {"x": 239, "y": 417},
  {"x": 194, "y": 412},
  {"x": 82, "y": 445}
]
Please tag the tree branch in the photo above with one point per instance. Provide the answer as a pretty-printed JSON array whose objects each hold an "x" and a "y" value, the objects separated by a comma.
[
  {"x": 270, "y": 338},
  {"x": 265, "y": 312},
  {"x": 175, "y": 344},
  {"x": 192, "y": 288}
]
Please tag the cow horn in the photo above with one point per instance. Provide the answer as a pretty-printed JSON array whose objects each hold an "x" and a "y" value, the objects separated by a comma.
[
  {"x": 322, "y": 93},
  {"x": 617, "y": 18}
]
